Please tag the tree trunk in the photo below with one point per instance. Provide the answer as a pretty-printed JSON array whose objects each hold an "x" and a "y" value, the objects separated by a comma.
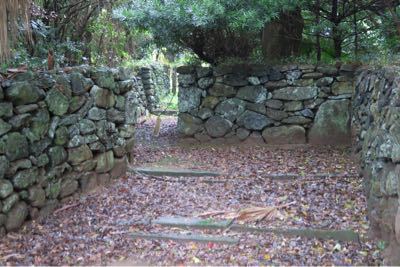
[
  {"x": 337, "y": 41},
  {"x": 282, "y": 38},
  {"x": 318, "y": 20}
]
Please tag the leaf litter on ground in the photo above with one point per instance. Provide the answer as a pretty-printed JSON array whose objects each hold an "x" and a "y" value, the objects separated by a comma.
[{"x": 96, "y": 232}]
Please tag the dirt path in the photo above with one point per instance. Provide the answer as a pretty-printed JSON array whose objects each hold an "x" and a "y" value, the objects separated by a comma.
[{"x": 97, "y": 231}]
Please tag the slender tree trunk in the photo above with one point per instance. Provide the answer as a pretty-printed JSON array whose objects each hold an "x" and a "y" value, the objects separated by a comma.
[
  {"x": 337, "y": 41},
  {"x": 336, "y": 36},
  {"x": 355, "y": 29},
  {"x": 318, "y": 20}
]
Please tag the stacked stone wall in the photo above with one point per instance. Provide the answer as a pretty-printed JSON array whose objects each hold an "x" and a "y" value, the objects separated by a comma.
[
  {"x": 63, "y": 133},
  {"x": 294, "y": 104},
  {"x": 376, "y": 107}
]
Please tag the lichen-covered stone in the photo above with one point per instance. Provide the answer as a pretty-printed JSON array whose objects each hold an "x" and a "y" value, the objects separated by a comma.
[
  {"x": 76, "y": 103},
  {"x": 57, "y": 103},
  {"x": 340, "y": 88},
  {"x": 295, "y": 93},
  {"x": 79, "y": 84},
  {"x": 210, "y": 102},
  {"x": 24, "y": 179},
  {"x": 16, "y": 146},
  {"x": 37, "y": 196},
  {"x": 53, "y": 189},
  {"x": 6, "y": 188},
  {"x": 68, "y": 187},
  {"x": 16, "y": 216},
  {"x": 97, "y": 114},
  {"x": 105, "y": 162},
  {"x": 253, "y": 121},
  {"x": 42, "y": 160},
  {"x": 9, "y": 202},
  {"x": 26, "y": 108},
  {"x": 242, "y": 133},
  {"x": 79, "y": 155},
  {"x": 4, "y": 164},
  {"x": 277, "y": 115},
  {"x": 39, "y": 127},
  {"x": 22, "y": 93},
  {"x": 285, "y": 135},
  {"x": 332, "y": 123},
  {"x": 205, "y": 83},
  {"x": 218, "y": 126},
  {"x": 6, "y": 110},
  {"x": 220, "y": 89},
  {"x": 298, "y": 119},
  {"x": 205, "y": 113},
  {"x": 4, "y": 127},
  {"x": 57, "y": 155},
  {"x": 293, "y": 106},
  {"x": 255, "y": 94},
  {"x": 18, "y": 165},
  {"x": 273, "y": 103},
  {"x": 61, "y": 136},
  {"x": 188, "y": 124},
  {"x": 104, "y": 78},
  {"x": 102, "y": 97},
  {"x": 190, "y": 98},
  {"x": 231, "y": 109}
]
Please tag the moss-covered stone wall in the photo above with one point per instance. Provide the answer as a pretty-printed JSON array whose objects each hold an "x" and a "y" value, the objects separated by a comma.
[{"x": 63, "y": 133}]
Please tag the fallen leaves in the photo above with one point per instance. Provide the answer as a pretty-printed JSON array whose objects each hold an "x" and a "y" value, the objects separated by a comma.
[{"x": 96, "y": 232}]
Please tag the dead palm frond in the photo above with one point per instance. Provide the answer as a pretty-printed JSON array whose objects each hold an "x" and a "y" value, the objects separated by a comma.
[{"x": 248, "y": 215}]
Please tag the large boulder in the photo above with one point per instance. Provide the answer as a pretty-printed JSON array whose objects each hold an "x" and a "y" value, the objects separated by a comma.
[
  {"x": 217, "y": 126},
  {"x": 253, "y": 121},
  {"x": 332, "y": 123},
  {"x": 189, "y": 125},
  {"x": 295, "y": 93},
  {"x": 231, "y": 108},
  {"x": 255, "y": 94},
  {"x": 285, "y": 135},
  {"x": 189, "y": 99}
]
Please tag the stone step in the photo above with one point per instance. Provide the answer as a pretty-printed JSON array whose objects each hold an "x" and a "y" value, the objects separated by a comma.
[
  {"x": 293, "y": 176},
  {"x": 185, "y": 222},
  {"x": 159, "y": 112},
  {"x": 173, "y": 172},
  {"x": 185, "y": 237}
]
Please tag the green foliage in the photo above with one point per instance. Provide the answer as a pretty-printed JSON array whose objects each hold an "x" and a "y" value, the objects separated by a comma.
[{"x": 210, "y": 29}]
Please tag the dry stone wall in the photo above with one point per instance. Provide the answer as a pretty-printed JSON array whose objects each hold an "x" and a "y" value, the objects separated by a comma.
[
  {"x": 294, "y": 104},
  {"x": 62, "y": 133},
  {"x": 377, "y": 122}
]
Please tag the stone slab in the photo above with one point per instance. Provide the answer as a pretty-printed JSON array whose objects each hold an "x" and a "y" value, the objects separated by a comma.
[
  {"x": 339, "y": 235},
  {"x": 192, "y": 222},
  {"x": 186, "y": 238},
  {"x": 174, "y": 172},
  {"x": 182, "y": 222}
]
